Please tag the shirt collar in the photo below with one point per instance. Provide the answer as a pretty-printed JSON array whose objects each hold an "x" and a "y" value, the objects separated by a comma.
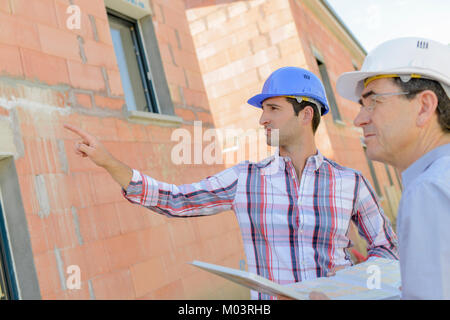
[
  {"x": 277, "y": 162},
  {"x": 421, "y": 164}
]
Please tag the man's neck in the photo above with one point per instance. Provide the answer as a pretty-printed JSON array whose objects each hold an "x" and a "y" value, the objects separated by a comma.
[
  {"x": 299, "y": 153},
  {"x": 419, "y": 149}
]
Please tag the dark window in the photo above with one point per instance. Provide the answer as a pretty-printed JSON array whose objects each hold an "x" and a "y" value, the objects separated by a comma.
[
  {"x": 329, "y": 90},
  {"x": 5, "y": 288},
  {"x": 134, "y": 70}
]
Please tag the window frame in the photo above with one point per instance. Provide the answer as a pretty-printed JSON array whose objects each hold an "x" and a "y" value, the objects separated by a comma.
[
  {"x": 142, "y": 61},
  {"x": 6, "y": 273},
  {"x": 328, "y": 89}
]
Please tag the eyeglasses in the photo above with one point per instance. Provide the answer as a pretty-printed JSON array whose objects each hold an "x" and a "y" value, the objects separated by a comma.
[{"x": 371, "y": 101}]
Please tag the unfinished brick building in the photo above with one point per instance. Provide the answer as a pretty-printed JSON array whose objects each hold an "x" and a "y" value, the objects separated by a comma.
[{"x": 130, "y": 72}]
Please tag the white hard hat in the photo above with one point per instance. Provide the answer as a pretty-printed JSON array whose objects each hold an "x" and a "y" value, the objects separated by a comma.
[{"x": 404, "y": 57}]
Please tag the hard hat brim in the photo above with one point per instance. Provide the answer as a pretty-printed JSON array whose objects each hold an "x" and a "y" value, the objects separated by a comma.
[
  {"x": 258, "y": 99},
  {"x": 351, "y": 84}
]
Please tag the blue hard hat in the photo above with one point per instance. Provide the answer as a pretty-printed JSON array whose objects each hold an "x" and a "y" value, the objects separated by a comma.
[{"x": 292, "y": 81}]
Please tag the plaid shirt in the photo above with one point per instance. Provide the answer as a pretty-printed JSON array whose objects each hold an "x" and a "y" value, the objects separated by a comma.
[{"x": 292, "y": 230}]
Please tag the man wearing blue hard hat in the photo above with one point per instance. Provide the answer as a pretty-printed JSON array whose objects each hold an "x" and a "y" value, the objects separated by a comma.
[
  {"x": 294, "y": 208},
  {"x": 319, "y": 197},
  {"x": 403, "y": 88}
]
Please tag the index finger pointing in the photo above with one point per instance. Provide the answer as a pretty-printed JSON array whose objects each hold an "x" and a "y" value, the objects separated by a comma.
[{"x": 80, "y": 132}]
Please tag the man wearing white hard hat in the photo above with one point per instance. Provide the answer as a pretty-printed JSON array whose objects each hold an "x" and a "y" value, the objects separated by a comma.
[{"x": 403, "y": 88}]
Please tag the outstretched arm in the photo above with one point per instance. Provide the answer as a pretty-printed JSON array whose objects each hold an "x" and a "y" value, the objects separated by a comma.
[{"x": 209, "y": 196}]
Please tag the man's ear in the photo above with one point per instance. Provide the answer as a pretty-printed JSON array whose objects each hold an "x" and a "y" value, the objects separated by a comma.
[
  {"x": 308, "y": 114},
  {"x": 428, "y": 103}
]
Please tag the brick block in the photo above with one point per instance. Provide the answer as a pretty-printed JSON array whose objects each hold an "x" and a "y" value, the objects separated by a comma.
[
  {"x": 18, "y": 31},
  {"x": 115, "y": 82},
  {"x": 140, "y": 135},
  {"x": 165, "y": 34},
  {"x": 237, "y": 9},
  {"x": 37, "y": 234},
  {"x": 42, "y": 11},
  {"x": 106, "y": 189},
  {"x": 240, "y": 51},
  {"x": 155, "y": 241},
  {"x": 174, "y": 18},
  {"x": 60, "y": 230},
  {"x": 116, "y": 285},
  {"x": 181, "y": 232},
  {"x": 130, "y": 218},
  {"x": 198, "y": 285},
  {"x": 43, "y": 67},
  {"x": 196, "y": 98},
  {"x": 100, "y": 54},
  {"x": 185, "y": 59},
  {"x": 103, "y": 31},
  {"x": 275, "y": 19},
  {"x": 195, "y": 80},
  {"x": 85, "y": 76},
  {"x": 214, "y": 62},
  {"x": 84, "y": 100},
  {"x": 124, "y": 131},
  {"x": 259, "y": 43},
  {"x": 87, "y": 221},
  {"x": 172, "y": 291},
  {"x": 97, "y": 262},
  {"x": 124, "y": 250},
  {"x": 109, "y": 103},
  {"x": 284, "y": 32},
  {"x": 106, "y": 220},
  {"x": 47, "y": 273},
  {"x": 10, "y": 62},
  {"x": 206, "y": 117},
  {"x": 145, "y": 281},
  {"x": 95, "y": 8},
  {"x": 59, "y": 43},
  {"x": 216, "y": 19},
  {"x": 197, "y": 27},
  {"x": 186, "y": 114},
  {"x": 290, "y": 46}
]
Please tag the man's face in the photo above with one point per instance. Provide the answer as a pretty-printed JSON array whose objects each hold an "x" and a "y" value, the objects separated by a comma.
[
  {"x": 390, "y": 127},
  {"x": 279, "y": 114}
]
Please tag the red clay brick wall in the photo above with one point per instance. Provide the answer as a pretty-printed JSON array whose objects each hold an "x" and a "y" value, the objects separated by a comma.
[{"x": 78, "y": 216}]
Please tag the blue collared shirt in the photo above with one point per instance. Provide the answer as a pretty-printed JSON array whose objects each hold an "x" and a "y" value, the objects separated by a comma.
[{"x": 423, "y": 227}]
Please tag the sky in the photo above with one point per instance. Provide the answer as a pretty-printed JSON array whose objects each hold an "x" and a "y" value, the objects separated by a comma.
[{"x": 375, "y": 21}]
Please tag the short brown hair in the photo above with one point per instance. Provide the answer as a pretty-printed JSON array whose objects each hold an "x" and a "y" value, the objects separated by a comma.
[
  {"x": 302, "y": 105},
  {"x": 443, "y": 108}
]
